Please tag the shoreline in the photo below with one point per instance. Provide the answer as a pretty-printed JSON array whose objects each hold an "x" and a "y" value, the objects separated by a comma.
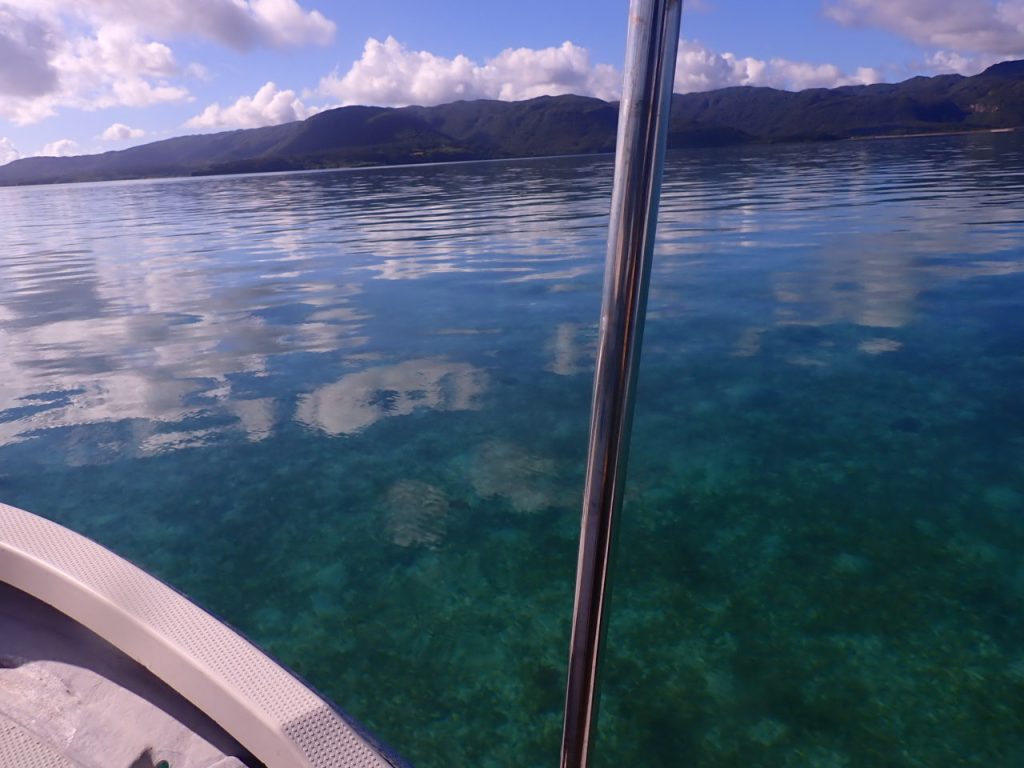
[
  {"x": 199, "y": 174},
  {"x": 923, "y": 134}
]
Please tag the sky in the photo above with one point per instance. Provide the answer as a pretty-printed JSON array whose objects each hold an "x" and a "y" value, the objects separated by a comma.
[{"x": 85, "y": 76}]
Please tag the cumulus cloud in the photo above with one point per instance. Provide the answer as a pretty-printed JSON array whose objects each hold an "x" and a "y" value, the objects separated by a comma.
[
  {"x": 8, "y": 153},
  {"x": 121, "y": 132},
  {"x": 523, "y": 73},
  {"x": 240, "y": 24},
  {"x": 60, "y": 148},
  {"x": 269, "y": 106},
  {"x": 112, "y": 66},
  {"x": 26, "y": 45},
  {"x": 94, "y": 54},
  {"x": 946, "y": 62},
  {"x": 116, "y": 67},
  {"x": 389, "y": 74},
  {"x": 701, "y": 69},
  {"x": 993, "y": 28}
]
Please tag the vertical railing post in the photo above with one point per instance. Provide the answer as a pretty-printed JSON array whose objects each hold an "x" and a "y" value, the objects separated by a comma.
[{"x": 643, "y": 123}]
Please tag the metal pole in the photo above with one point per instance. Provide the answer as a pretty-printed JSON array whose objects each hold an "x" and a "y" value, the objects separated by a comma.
[{"x": 643, "y": 122}]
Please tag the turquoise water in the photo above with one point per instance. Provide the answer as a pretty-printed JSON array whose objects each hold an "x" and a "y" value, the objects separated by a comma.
[{"x": 347, "y": 411}]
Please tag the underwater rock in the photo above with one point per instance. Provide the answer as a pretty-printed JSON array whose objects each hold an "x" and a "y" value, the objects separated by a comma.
[
  {"x": 767, "y": 731},
  {"x": 416, "y": 514},
  {"x": 846, "y": 564},
  {"x": 906, "y": 424},
  {"x": 766, "y": 399},
  {"x": 879, "y": 346},
  {"x": 1003, "y": 498},
  {"x": 528, "y": 481}
]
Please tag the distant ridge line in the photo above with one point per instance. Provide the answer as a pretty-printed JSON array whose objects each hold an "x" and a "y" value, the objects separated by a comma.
[{"x": 360, "y": 136}]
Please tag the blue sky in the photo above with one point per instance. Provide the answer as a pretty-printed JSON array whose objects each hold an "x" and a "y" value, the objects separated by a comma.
[{"x": 79, "y": 76}]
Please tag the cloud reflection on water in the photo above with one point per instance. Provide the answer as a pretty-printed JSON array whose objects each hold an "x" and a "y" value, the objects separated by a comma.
[
  {"x": 162, "y": 304},
  {"x": 361, "y": 399},
  {"x": 835, "y": 234},
  {"x": 195, "y": 309}
]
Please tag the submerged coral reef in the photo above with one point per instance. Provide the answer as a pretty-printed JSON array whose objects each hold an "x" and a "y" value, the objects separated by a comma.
[{"x": 819, "y": 557}]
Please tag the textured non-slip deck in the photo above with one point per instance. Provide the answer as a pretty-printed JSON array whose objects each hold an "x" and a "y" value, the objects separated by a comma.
[
  {"x": 22, "y": 748},
  {"x": 269, "y": 711}
]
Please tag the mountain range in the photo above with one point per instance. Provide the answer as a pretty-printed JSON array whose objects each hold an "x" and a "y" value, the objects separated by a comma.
[{"x": 556, "y": 125}]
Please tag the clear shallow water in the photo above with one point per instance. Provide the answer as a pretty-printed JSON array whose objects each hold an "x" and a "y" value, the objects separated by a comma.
[{"x": 347, "y": 412}]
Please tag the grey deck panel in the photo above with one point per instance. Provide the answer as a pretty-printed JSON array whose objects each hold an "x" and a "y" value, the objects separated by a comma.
[
  {"x": 269, "y": 711},
  {"x": 68, "y": 697},
  {"x": 20, "y": 748}
]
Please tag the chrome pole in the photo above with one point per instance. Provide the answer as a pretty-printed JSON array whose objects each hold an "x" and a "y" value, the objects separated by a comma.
[{"x": 640, "y": 150}]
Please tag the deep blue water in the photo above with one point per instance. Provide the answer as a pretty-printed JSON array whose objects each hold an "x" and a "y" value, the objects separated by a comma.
[{"x": 347, "y": 411}]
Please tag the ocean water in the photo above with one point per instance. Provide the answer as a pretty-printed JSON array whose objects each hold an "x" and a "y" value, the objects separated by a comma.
[{"x": 347, "y": 412}]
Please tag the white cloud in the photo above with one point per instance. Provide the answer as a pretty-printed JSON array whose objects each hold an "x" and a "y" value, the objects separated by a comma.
[
  {"x": 700, "y": 69},
  {"x": 389, "y": 74},
  {"x": 952, "y": 62},
  {"x": 269, "y": 106},
  {"x": 60, "y": 148},
  {"x": 25, "y": 48},
  {"x": 111, "y": 67},
  {"x": 240, "y": 24},
  {"x": 95, "y": 54},
  {"x": 121, "y": 132},
  {"x": 288, "y": 24},
  {"x": 523, "y": 73},
  {"x": 117, "y": 67},
  {"x": 8, "y": 153},
  {"x": 994, "y": 28}
]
